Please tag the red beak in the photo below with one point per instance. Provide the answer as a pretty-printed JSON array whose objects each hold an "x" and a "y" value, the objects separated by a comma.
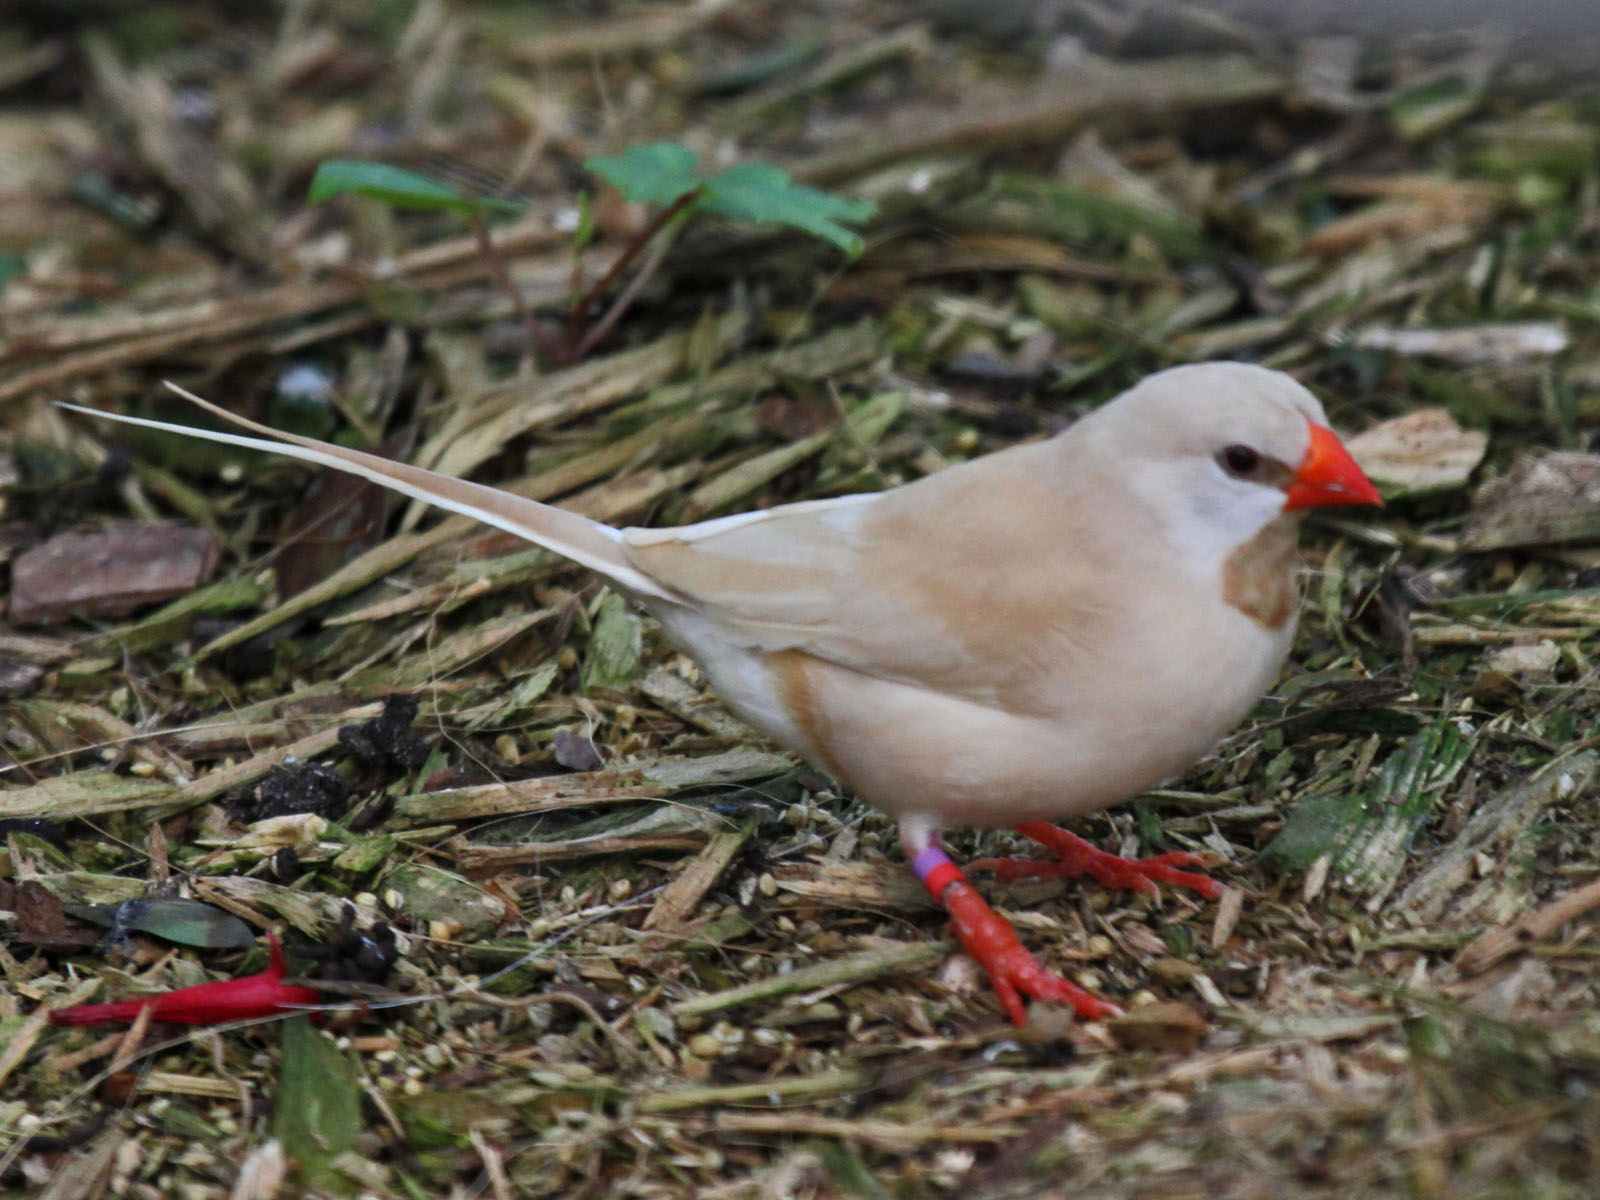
[{"x": 1328, "y": 475}]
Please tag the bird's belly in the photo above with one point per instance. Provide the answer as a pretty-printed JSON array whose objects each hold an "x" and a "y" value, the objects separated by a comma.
[
  {"x": 912, "y": 751},
  {"x": 964, "y": 764},
  {"x": 1089, "y": 739}
]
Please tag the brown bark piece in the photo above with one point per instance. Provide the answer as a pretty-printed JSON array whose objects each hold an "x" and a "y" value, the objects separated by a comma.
[
  {"x": 109, "y": 573},
  {"x": 1172, "y": 1027},
  {"x": 1545, "y": 500}
]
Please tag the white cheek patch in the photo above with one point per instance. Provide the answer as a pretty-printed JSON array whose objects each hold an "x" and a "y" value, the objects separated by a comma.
[{"x": 1207, "y": 515}]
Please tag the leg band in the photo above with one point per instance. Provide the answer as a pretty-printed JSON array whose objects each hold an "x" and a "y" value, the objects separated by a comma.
[{"x": 937, "y": 872}]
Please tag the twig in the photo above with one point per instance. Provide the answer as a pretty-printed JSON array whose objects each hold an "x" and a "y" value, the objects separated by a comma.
[
  {"x": 889, "y": 1136},
  {"x": 585, "y": 303},
  {"x": 856, "y": 968},
  {"x": 680, "y": 897},
  {"x": 624, "y": 300},
  {"x": 1497, "y": 944},
  {"x": 840, "y": 1081},
  {"x": 502, "y": 273}
]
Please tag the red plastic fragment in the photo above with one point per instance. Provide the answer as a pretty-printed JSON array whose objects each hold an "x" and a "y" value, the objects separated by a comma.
[{"x": 254, "y": 996}]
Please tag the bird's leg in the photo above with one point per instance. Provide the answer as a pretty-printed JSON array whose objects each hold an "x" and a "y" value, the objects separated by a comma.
[
  {"x": 989, "y": 938},
  {"x": 1075, "y": 857}
]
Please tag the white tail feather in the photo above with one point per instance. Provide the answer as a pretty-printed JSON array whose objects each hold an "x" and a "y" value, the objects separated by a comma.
[{"x": 586, "y": 542}]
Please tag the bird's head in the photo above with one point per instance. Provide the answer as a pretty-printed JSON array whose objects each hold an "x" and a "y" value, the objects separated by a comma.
[{"x": 1219, "y": 450}]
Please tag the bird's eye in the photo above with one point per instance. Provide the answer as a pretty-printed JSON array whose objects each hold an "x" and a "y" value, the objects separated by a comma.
[{"x": 1239, "y": 461}]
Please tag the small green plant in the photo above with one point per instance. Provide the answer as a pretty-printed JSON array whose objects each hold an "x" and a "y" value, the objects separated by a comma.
[
  {"x": 399, "y": 188},
  {"x": 667, "y": 173},
  {"x": 663, "y": 174}
]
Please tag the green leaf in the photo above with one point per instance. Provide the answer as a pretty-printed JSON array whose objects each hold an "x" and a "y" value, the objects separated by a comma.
[
  {"x": 1368, "y": 835},
  {"x": 187, "y": 922},
  {"x": 318, "y": 1110},
  {"x": 1434, "y": 106},
  {"x": 664, "y": 172},
  {"x": 396, "y": 187},
  {"x": 615, "y": 647},
  {"x": 659, "y": 173},
  {"x": 584, "y": 233},
  {"x": 765, "y": 195}
]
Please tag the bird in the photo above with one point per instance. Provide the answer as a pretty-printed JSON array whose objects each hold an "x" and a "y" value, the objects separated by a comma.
[{"x": 1030, "y": 635}]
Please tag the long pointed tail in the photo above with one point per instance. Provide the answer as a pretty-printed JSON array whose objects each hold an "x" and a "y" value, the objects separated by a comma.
[{"x": 586, "y": 542}]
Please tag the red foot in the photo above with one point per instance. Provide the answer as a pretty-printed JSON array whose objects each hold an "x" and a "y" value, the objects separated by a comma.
[
  {"x": 989, "y": 938},
  {"x": 1077, "y": 857}
]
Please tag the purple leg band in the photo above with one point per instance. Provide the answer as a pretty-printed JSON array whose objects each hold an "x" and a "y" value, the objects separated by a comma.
[{"x": 927, "y": 860}]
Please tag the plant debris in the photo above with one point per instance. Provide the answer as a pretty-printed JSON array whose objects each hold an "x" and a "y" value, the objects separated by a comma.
[
  {"x": 1420, "y": 454},
  {"x": 247, "y": 999},
  {"x": 40, "y": 919},
  {"x": 1543, "y": 500},
  {"x": 186, "y": 922},
  {"x": 388, "y": 739},
  {"x": 587, "y": 933},
  {"x": 111, "y": 573},
  {"x": 307, "y": 788}
]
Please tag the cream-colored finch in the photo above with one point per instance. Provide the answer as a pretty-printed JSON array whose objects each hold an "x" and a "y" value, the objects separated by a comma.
[{"x": 1038, "y": 633}]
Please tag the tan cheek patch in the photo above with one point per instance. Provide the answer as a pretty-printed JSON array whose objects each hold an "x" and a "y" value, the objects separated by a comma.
[{"x": 1260, "y": 578}]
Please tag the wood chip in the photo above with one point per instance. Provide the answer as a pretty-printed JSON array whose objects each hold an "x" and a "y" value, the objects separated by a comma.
[
  {"x": 678, "y": 900},
  {"x": 1162, "y": 1028},
  {"x": 1229, "y": 909},
  {"x": 1545, "y": 499},
  {"x": 1421, "y": 453},
  {"x": 109, "y": 573},
  {"x": 1497, "y": 944},
  {"x": 1502, "y": 344}
]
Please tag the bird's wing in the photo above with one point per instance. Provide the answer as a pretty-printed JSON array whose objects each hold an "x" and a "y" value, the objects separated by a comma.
[{"x": 938, "y": 584}]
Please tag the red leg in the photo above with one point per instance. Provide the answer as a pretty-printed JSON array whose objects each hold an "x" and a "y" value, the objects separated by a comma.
[
  {"x": 989, "y": 938},
  {"x": 1076, "y": 857}
]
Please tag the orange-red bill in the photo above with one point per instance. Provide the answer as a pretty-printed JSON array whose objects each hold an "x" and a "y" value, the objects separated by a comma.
[{"x": 1328, "y": 475}]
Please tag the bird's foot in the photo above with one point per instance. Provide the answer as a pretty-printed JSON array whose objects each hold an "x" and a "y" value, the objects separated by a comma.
[
  {"x": 1076, "y": 857},
  {"x": 989, "y": 938}
]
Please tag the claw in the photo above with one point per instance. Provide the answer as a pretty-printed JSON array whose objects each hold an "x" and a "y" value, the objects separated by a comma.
[
  {"x": 989, "y": 938},
  {"x": 1076, "y": 857}
]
